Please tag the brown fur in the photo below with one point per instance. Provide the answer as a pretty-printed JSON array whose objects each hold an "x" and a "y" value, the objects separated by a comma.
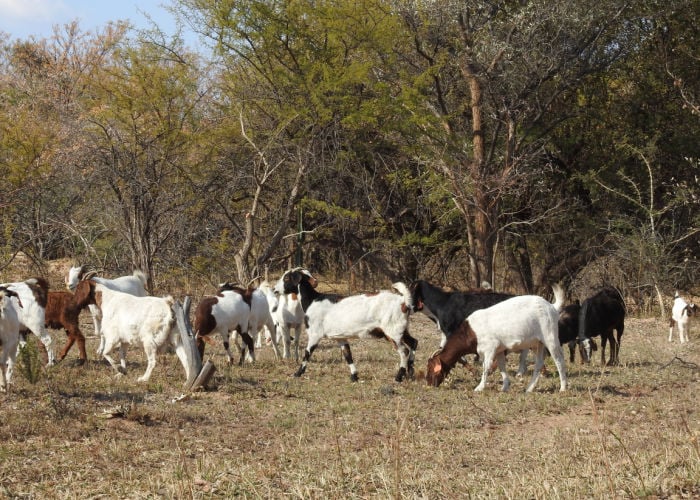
[
  {"x": 461, "y": 342},
  {"x": 63, "y": 310},
  {"x": 40, "y": 289}
]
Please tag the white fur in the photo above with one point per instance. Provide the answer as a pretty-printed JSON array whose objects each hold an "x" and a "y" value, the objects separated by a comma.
[
  {"x": 288, "y": 316},
  {"x": 149, "y": 321},
  {"x": 9, "y": 339},
  {"x": 32, "y": 316},
  {"x": 681, "y": 317},
  {"x": 356, "y": 317},
  {"x": 134, "y": 285},
  {"x": 229, "y": 312},
  {"x": 523, "y": 322},
  {"x": 261, "y": 318}
]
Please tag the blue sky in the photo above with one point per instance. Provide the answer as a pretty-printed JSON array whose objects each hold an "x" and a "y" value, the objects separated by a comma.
[{"x": 21, "y": 19}]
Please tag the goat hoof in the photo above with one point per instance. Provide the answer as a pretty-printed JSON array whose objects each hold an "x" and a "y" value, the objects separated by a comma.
[{"x": 354, "y": 377}]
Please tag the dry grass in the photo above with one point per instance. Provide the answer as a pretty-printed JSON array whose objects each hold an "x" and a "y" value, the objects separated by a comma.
[{"x": 627, "y": 431}]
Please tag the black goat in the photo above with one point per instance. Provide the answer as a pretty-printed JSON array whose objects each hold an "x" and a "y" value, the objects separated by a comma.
[
  {"x": 450, "y": 309},
  {"x": 600, "y": 314}
]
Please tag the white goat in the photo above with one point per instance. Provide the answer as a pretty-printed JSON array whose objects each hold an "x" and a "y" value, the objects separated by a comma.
[
  {"x": 381, "y": 315},
  {"x": 260, "y": 316},
  {"x": 134, "y": 284},
  {"x": 522, "y": 322},
  {"x": 149, "y": 321},
  {"x": 681, "y": 315},
  {"x": 225, "y": 312},
  {"x": 288, "y": 316},
  {"x": 272, "y": 303},
  {"x": 30, "y": 306},
  {"x": 9, "y": 336}
]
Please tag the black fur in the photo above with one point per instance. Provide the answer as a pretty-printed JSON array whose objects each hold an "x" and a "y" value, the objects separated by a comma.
[
  {"x": 452, "y": 308},
  {"x": 601, "y": 314}
]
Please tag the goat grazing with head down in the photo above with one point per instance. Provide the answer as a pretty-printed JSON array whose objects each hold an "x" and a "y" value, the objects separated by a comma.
[
  {"x": 600, "y": 314},
  {"x": 381, "y": 315},
  {"x": 32, "y": 295},
  {"x": 449, "y": 309},
  {"x": 9, "y": 336},
  {"x": 134, "y": 284},
  {"x": 681, "y": 315},
  {"x": 521, "y": 322}
]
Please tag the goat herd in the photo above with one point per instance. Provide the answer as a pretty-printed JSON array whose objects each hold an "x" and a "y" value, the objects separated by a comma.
[{"x": 480, "y": 321}]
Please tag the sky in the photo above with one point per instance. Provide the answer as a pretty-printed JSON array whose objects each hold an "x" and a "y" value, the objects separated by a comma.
[{"x": 22, "y": 19}]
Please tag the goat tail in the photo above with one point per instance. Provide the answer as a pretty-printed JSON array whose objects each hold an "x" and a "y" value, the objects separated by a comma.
[
  {"x": 559, "y": 296},
  {"x": 403, "y": 290}
]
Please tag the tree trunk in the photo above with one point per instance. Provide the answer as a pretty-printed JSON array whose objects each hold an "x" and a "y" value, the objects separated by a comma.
[{"x": 482, "y": 247}]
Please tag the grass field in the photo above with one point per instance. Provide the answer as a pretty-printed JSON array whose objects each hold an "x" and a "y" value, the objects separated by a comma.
[{"x": 622, "y": 432}]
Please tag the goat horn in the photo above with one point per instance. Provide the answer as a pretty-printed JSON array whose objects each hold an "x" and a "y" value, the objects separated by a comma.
[
  {"x": 438, "y": 351},
  {"x": 90, "y": 274},
  {"x": 253, "y": 280}
]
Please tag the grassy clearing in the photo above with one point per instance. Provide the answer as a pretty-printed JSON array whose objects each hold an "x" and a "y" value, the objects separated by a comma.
[{"x": 627, "y": 431}]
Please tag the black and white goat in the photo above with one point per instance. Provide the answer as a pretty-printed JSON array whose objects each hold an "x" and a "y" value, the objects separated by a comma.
[
  {"x": 682, "y": 314},
  {"x": 600, "y": 314},
  {"x": 521, "y": 322},
  {"x": 134, "y": 284},
  {"x": 449, "y": 309},
  {"x": 33, "y": 296},
  {"x": 9, "y": 336},
  {"x": 381, "y": 315}
]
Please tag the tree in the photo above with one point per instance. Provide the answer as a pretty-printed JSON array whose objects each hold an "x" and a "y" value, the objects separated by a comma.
[
  {"x": 492, "y": 73},
  {"x": 144, "y": 116},
  {"x": 42, "y": 148}
]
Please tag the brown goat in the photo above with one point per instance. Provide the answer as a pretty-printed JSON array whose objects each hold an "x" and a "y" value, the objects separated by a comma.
[
  {"x": 63, "y": 311},
  {"x": 461, "y": 342}
]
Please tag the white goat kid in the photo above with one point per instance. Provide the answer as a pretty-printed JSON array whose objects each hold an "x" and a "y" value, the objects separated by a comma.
[
  {"x": 134, "y": 284},
  {"x": 272, "y": 303},
  {"x": 149, "y": 321},
  {"x": 30, "y": 306},
  {"x": 9, "y": 337},
  {"x": 682, "y": 314}
]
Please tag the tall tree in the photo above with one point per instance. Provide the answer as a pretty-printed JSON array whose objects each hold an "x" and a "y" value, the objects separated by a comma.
[
  {"x": 492, "y": 73},
  {"x": 144, "y": 117}
]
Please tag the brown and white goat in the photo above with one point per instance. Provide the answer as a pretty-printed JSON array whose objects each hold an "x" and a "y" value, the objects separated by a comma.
[
  {"x": 229, "y": 310},
  {"x": 30, "y": 306},
  {"x": 522, "y": 322},
  {"x": 681, "y": 316},
  {"x": 134, "y": 284}
]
